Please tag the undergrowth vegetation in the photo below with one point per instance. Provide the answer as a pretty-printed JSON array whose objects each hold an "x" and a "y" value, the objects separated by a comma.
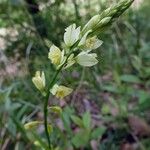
[{"x": 92, "y": 75}]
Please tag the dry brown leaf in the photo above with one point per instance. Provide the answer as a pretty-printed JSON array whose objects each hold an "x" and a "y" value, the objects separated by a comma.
[{"x": 139, "y": 126}]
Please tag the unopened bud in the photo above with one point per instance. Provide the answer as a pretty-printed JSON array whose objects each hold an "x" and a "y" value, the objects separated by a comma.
[
  {"x": 39, "y": 80},
  {"x": 112, "y": 12},
  {"x": 104, "y": 21},
  {"x": 107, "y": 11},
  {"x": 91, "y": 24},
  {"x": 32, "y": 124},
  {"x": 56, "y": 109}
]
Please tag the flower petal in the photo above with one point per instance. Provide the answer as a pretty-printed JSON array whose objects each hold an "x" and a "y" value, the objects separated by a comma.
[
  {"x": 85, "y": 59},
  {"x": 92, "y": 43},
  {"x": 39, "y": 80},
  {"x": 55, "y": 55},
  {"x": 32, "y": 124},
  {"x": 60, "y": 91},
  {"x": 71, "y": 35},
  {"x": 83, "y": 39}
]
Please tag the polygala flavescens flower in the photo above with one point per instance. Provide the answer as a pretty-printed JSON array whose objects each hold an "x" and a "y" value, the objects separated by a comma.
[
  {"x": 71, "y": 35},
  {"x": 86, "y": 59},
  {"x": 91, "y": 44},
  {"x": 56, "y": 55},
  {"x": 60, "y": 91},
  {"x": 32, "y": 124},
  {"x": 55, "y": 109},
  {"x": 39, "y": 80},
  {"x": 78, "y": 46}
]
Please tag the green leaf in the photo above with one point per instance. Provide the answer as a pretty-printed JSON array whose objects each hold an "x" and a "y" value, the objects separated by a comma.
[
  {"x": 19, "y": 146},
  {"x": 81, "y": 138},
  {"x": 11, "y": 127},
  {"x": 143, "y": 96},
  {"x": 130, "y": 78},
  {"x": 87, "y": 120},
  {"x": 98, "y": 132},
  {"x": 39, "y": 140},
  {"x": 136, "y": 62},
  {"x": 65, "y": 116},
  {"x": 105, "y": 109},
  {"x": 116, "y": 77},
  {"x": 4, "y": 94},
  {"x": 110, "y": 88},
  {"x": 77, "y": 120}
]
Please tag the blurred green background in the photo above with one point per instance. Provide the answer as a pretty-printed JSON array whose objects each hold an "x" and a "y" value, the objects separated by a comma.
[{"x": 110, "y": 105}]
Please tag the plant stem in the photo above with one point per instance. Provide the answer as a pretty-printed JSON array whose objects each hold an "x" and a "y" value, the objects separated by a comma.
[
  {"x": 47, "y": 98},
  {"x": 46, "y": 104}
]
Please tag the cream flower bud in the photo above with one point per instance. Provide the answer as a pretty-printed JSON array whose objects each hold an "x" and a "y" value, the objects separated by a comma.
[
  {"x": 39, "y": 80},
  {"x": 71, "y": 35},
  {"x": 60, "y": 91},
  {"x": 55, "y": 109},
  {"x": 86, "y": 59},
  {"x": 56, "y": 55},
  {"x": 104, "y": 21},
  {"x": 107, "y": 11},
  {"x": 91, "y": 24},
  {"x": 32, "y": 124}
]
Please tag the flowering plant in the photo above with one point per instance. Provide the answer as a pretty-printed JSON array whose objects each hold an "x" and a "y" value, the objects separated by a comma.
[{"x": 79, "y": 46}]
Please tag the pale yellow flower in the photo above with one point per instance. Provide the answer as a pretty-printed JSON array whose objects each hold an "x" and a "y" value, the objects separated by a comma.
[
  {"x": 32, "y": 124},
  {"x": 71, "y": 35},
  {"x": 86, "y": 59},
  {"x": 55, "y": 109},
  {"x": 92, "y": 43},
  {"x": 60, "y": 91},
  {"x": 39, "y": 80},
  {"x": 56, "y": 55}
]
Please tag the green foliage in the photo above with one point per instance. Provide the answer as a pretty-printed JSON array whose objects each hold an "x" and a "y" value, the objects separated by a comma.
[
  {"x": 86, "y": 132},
  {"x": 107, "y": 94},
  {"x": 130, "y": 78}
]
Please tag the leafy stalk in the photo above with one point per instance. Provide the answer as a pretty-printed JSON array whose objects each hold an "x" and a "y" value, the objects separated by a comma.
[
  {"x": 96, "y": 25},
  {"x": 47, "y": 98}
]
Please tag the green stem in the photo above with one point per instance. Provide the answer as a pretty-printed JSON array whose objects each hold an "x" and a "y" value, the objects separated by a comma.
[
  {"x": 46, "y": 101},
  {"x": 45, "y": 107}
]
